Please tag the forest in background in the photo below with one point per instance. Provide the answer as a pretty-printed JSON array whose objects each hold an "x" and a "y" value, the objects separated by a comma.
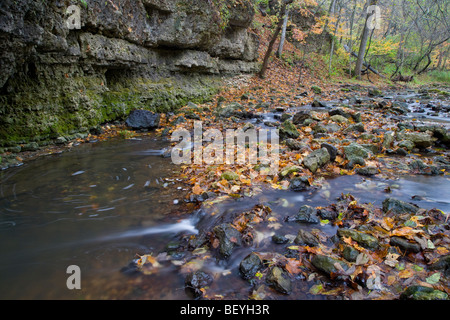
[{"x": 404, "y": 40}]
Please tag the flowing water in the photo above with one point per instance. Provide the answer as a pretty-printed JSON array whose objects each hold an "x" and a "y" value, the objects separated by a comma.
[
  {"x": 101, "y": 204},
  {"x": 96, "y": 206}
]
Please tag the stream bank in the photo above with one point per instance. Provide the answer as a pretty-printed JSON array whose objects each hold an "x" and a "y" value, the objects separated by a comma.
[{"x": 93, "y": 205}]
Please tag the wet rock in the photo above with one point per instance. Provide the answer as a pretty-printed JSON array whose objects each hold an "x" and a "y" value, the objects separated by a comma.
[
  {"x": 306, "y": 238},
  {"x": 340, "y": 112},
  {"x": 288, "y": 130},
  {"x": 316, "y": 159},
  {"x": 357, "y": 127},
  {"x": 229, "y": 238},
  {"x": 442, "y": 264},
  {"x": 291, "y": 169},
  {"x": 408, "y": 145},
  {"x": 363, "y": 239},
  {"x": 279, "y": 280},
  {"x": 418, "y": 166},
  {"x": 398, "y": 207},
  {"x": 404, "y": 244},
  {"x": 373, "y": 148},
  {"x": 197, "y": 280},
  {"x": 350, "y": 254},
  {"x": 142, "y": 119},
  {"x": 423, "y": 293},
  {"x": 299, "y": 183},
  {"x": 60, "y": 140},
  {"x": 319, "y": 128},
  {"x": 354, "y": 150},
  {"x": 300, "y": 117},
  {"x": 326, "y": 264},
  {"x": 229, "y": 175},
  {"x": 367, "y": 171},
  {"x": 388, "y": 139},
  {"x": 319, "y": 104},
  {"x": 32, "y": 146},
  {"x": 295, "y": 144},
  {"x": 339, "y": 119},
  {"x": 421, "y": 140},
  {"x": 327, "y": 213},
  {"x": 399, "y": 108},
  {"x": 228, "y": 111},
  {"x": 307, "y": 214},
  {"x": 356, "y": 161},
  {"x": 279, "y": 239},
  {"x": 332, "y": 150},
  {"x": 250, "y": 265}
]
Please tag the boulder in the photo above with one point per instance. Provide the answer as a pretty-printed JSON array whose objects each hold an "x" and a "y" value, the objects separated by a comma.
[
  {"x": 339, "y": 119},
  {"x": 327, "y": 264},
  {"x": 229, "y": 238},
  {"x": 250, "y": 265},
  {"x": 398, "y": 207},
  {"x": 142, "y": 119},
  {"x": 404, "y": 244},
  {"x": 418, "y": 292},
  {"x": 332, "y": 150},
  {"x": 442, "y": 264},
  {"x": 295, "y": 144},
  {"x": 363, "y": 239},
  {"x": 279, "y": 280},
  {"x": 316, "y": 159},
  {"x": 356, "y": 127},
  {"x": 421, "y": 140},
  {"x": 300, "y": 117},
  {"x": 288, "y": 130},
  {"x": 299, "y": 183},
  {"x": 306, "y": 238},
  {"x": 340, "y": 112},
  {"x": 197, "y": 280},
  {"x": 307, "y": 214},
  {"x": 354, "y": 150}
]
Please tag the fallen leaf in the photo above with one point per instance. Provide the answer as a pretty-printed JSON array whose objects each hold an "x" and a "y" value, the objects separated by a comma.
[
  {"x": 434, "y": 278},
  {"x": 406, "y": 273},
  {"x": 391, "y": 259},
  {"x": 293, "y": 266},
  {"x": 197, "y": 189}
]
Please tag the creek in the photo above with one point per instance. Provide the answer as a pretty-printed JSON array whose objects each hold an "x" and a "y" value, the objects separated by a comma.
[{"x": 101, "y": 204}]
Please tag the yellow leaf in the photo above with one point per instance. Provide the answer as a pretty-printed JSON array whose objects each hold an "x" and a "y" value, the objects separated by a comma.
[{"x": 407, "y": 273}]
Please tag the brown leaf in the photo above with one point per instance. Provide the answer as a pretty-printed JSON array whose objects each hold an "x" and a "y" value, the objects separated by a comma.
[{"x": 293, "y": 266}]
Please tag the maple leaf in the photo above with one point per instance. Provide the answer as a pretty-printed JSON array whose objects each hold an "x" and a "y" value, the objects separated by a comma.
[{"x": 293, "y": 266}]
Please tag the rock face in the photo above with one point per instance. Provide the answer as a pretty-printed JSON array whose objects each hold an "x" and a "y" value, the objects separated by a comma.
[{"x": 57, "y": 77}]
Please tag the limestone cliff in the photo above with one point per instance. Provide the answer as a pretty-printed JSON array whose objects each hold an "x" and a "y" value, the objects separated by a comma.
[{"x": 58, "y": 78}]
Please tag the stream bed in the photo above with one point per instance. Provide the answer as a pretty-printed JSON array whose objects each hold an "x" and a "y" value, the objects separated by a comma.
[{"x": 101, "y": 204}]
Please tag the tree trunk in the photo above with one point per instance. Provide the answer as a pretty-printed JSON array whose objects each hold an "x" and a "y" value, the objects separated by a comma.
[
  {"x": 363, "y": 44},
  {"x": 325, "y": 27},
  {"x": 332, "y": 41},
  {"x": 283, "y": 34},
  {"x": 262, "y": 73},
  {"x": 350, "y": 42}
]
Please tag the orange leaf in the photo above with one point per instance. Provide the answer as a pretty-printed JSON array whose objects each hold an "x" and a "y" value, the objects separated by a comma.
[
  {"x": 293, "y": 266},
  {"x": 197, "y": 189}
]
